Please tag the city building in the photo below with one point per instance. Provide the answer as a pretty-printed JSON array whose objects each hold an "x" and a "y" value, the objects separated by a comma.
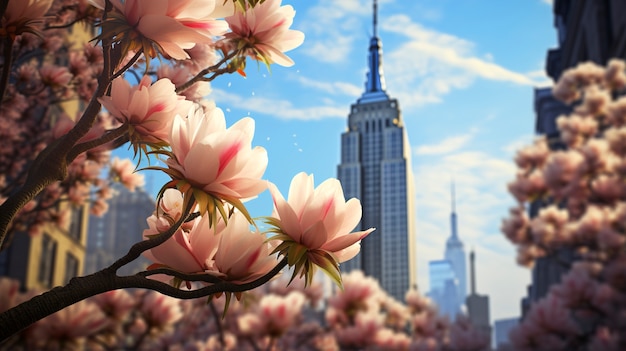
[
  {"x": 477, "y": 305},
  {"x": 455, "y": 253},
  {"x": 50, "y": 258},
  {"x": 449, "y": 275},
  {"x": 587, "y": 31},
  {"x": 444, "y": 288},
  {"x": 111, "y": 235},
  {"x": 376, "y": 168},
  {"x": 53, "y": 257},
  {"x": 502, "y": 328}
]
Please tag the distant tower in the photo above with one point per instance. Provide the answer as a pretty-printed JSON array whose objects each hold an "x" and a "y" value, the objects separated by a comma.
[
  {"x": 455, "y": 252},
  {"x": 477, "y": 305},
  {"x": 376, "y": 168},
  {"x": 111, "y": 235}
]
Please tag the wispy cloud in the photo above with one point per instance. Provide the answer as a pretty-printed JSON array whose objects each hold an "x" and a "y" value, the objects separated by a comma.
[
  {"x": 331, "y": 87},
  {"x": 445, "y": 146},
  {"x": 481, "y": 203},
  {"x": 276, "y": 107},
  {"x": 548, "y": 2},
  {"x": 439, "y": 63},
  {"x": 331, "y": 33}
]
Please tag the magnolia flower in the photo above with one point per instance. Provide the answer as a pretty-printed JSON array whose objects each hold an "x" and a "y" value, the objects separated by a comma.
[
  {"x": 160, "y": 311},
  {"x": 315, "y": 225},
  {"x": 23, "y": 16},
  {"x": 214, "y": 163},
  {"x": 242, "y": 255},
  {"x": 147, "y": 108},
  {"x": 274, "y": 315},
  {"x": 190, "y": 251},
  {"x": 263, "y": 32},
  {"x": 165, "y": 26},
  {"x": 70, "y": 325}
]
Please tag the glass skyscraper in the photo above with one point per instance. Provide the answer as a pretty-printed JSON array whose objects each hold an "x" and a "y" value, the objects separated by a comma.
[
  {"x": 376, "y": 168},
  {"x": 448, "y": 277}
]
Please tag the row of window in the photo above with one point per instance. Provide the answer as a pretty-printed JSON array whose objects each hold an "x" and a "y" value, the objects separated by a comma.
[{"x": 48, "y": 261}]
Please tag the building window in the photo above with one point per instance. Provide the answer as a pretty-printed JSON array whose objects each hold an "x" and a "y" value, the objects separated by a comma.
[
  {"x": 71, "y": 267},
  {"x": 46, "y": 262},
  {"x": 76, "y": 224}
]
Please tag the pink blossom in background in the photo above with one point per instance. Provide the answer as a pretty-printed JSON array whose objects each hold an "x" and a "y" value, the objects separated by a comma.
[
  {"x": 9, "y": 289},
  {"x": 117, "y": 304},
  {"x": 360, "y": 294},
  {"x": 69, "y": 326},
  {"x": 360, "y": 334},
  {"x": 123, "y": 170},
  {"x": 387, "y": 339},
  {"x": 55, "y": 76},
  {"x": 218, "y": 160},
  {"x": 148, "y": 108},
  {"x": 264, "y": 31},
  {"x": 278, "y": 313},
  {"x": 160, "y": 311}
]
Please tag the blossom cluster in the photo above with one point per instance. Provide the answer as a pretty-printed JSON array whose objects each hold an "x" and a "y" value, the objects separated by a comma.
[
  {"x": 273, "y": 317},
  {"x": 576, "y": 186}
]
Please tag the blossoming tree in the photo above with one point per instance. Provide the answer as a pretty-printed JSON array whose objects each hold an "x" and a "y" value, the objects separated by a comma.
[
  {"x": 200, "y": 235},
  {"x": 275, "y": 316},
  {"x": 584, "y": 187}
]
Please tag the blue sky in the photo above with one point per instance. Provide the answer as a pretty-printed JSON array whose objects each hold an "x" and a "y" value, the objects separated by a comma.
[{"x": 464, "y": 73}]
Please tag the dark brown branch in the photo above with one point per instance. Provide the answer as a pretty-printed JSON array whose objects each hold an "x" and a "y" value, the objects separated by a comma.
[
  {"x": 107, "y": 137},
  {"x": 80, "y": 288},
  {"x": 201, "y": 74},
  {"x": 6, "y": 67}
]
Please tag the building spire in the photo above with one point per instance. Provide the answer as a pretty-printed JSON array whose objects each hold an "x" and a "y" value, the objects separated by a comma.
[
  {"x": 472, "y": 274},
  {"x": 453, "y": 197},
  {"x": 375, "y": 85},
  {"x": 453, "y": 235},
  {"x": 375, "y": 18}
]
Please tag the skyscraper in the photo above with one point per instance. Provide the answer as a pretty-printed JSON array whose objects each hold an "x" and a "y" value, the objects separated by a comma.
[
  {"x": 448, "y": 278},
  {"x": 376, "y": 168},
  {"x": 111, "y": 235},
  {"x": 455, "y": 253}
]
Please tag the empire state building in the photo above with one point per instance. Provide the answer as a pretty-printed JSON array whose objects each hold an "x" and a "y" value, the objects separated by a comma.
[{"x": 376, "y": 168}]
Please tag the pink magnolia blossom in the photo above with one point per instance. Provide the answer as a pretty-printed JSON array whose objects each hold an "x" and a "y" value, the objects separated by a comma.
[
  {"x": 263, "y": 30},
  {"x": 190, "y": 251},
  {"x": 124, "y": 172},
  {"x": 219, "y": 161},
  {"x": 70, "y": 325},
  {"x": 55, "y": 76},
  {"x": 320, "y": 220},
  {"x": 273, "y": 316},
  {"x": 242, "y": 255},
  {"x": 23, "y": 16},
  {"x": 147, "y": 108},
  {"x": 360, "y": 334},
  {"x": 160, "y": 311},
  {"x": 171, "y": 25}
]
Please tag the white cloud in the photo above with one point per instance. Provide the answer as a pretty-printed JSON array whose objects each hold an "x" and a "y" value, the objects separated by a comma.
[
  {"x": 548, "y": 2},
  {"x": 282, "y": 109},
  {"x": 332, "y": 88},
  {"x": 430, "y": 64},
  {"x": 330, "y": 33},
  {"x": 445, "y": 146},
  {"x": 481, "y": 203}
]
